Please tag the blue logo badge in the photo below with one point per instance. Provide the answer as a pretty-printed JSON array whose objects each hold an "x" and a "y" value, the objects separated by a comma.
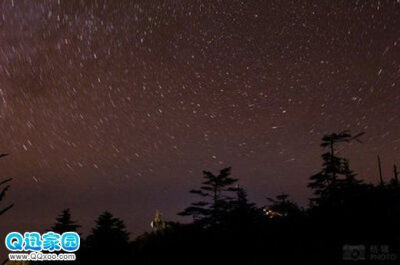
[{"x": 50, "y": 241}]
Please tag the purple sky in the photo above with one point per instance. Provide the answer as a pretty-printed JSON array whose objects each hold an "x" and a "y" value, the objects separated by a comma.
[{"x": 120, "y": 105}]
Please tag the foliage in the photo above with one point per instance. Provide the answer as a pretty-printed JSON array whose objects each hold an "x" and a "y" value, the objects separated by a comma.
[
  {"x": 214, "y": 187},
  {"x": 229, "y": 229},
  {"x": 108, "y": 243},
  {"x": 335, "y": 171},
  {"x": 64, "y": 223},
  {"x": 4, "y": 187}
]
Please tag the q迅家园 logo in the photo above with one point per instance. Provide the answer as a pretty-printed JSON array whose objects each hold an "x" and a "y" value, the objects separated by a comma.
[{"x": 50, "y": 241}]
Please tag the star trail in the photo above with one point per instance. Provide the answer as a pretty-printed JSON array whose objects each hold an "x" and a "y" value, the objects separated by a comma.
[{"x": 120, "y": 105}]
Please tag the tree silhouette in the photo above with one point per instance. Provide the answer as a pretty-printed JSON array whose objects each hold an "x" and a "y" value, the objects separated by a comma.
[
  {"x": 281, "y": 206},
  {"x": 241, "y": 199},
  {"x": 326, "y": 182},
  {"x": 350, "y": 176},
  {"x": 395, "y": 179},
  {"x": 64, "y": 223},
  {"x": 214, "y": 187},
  {"x": 3, "y": 189},
  {"x": 348, "y": 184},
  {"x": 349, "y": 211},
  {"x": 381, "y": 182},
  {"x": 241, "y": 209},
  {"x": 109, "y": 241},
  {"x": 3, "y": 193}
]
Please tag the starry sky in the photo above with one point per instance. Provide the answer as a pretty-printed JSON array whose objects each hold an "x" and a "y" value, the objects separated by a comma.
[{"x": 120, "y": 105}]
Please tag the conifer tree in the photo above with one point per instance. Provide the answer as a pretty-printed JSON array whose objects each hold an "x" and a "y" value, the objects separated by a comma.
[
  {"x": 64, "y": 223},
  {"x": 108, "y": 228},
  {"x": 109, "y": 241},
  {"x": 215, "y": 188},
  {"x": 350, "y": 176},
  {"x": 326, "y": 182},
  {"x": 241, "y": 200}
]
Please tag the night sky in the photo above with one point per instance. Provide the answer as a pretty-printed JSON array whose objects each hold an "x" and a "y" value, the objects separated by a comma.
[{"x": 120, "y": 105}]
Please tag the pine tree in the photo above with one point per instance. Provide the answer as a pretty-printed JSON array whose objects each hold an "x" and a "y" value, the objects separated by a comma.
[
  {"x": 109, "y": 228},
  {"x": 350, "y": 176},
  {"x": 326, "y": 182},
  {"x": 64, "y": 223},
  {"x": 109, "y": 241},
  {"x": 242, "y": 213},
  {"x": 215, "y": 188},
  {"x": 241, "y": 202}
]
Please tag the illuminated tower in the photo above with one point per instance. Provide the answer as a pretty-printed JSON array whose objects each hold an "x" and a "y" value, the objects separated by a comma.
[{"x": 157, "y": 224}]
